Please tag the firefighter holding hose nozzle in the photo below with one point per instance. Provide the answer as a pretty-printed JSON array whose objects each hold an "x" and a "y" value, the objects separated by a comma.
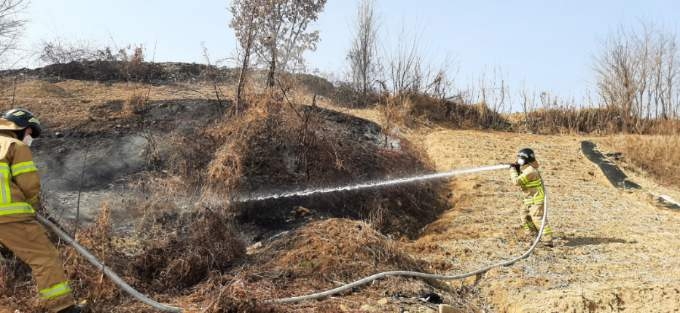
[
  {"x": 524, "y": 173},
  {"x": 20, "y": 199}
]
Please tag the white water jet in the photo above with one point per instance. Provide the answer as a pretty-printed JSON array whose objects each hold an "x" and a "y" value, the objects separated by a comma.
[{"x": 369, "y": 185}]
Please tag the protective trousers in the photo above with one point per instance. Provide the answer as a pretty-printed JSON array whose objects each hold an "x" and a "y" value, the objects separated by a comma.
[
  {"x": 532, "y": 215},
  {"x": 28, "y": 241}
]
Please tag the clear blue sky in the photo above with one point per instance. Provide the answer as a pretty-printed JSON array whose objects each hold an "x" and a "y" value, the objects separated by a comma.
[{"x": 545, "y": 45}]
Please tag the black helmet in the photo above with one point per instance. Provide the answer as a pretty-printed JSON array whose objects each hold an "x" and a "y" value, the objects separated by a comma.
[
  {"x": 527, "y": 155},
  {"x": 24, "y": 119}
]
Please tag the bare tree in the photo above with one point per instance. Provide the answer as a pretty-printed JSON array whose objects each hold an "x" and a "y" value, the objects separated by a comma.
[
  {"x": 669, "y": 87},
  {"x": 281, "y": 36},
  {"x": 494, "y": 90},
  {"x": 212, "y": 75},
  {"x": 363, "y": 53},
  {"x": 243, "y": 14},
  {"x": 409, "y": 73},
  {"x": 404, "y": 66},
  {"x": 11, "y": 24},
  {"x": 637, "y": 75},
  {"x": 528, "y": 102}
]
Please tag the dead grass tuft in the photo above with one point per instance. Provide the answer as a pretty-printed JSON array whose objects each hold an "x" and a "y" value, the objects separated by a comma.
[
  {"x": 335, "y": 249},
  {"x": 89, "y": 282},
  {"x": 322, "y": 253},
  {"x": 194, "y": 245},
  {"x": 135, "y": 103}
]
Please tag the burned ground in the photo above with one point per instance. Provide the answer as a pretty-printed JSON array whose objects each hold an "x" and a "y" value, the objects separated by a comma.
[{"x": 156, "y": 177}]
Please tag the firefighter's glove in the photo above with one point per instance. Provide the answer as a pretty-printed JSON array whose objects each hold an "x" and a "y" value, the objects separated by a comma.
[{"x": 516, "y": 167}]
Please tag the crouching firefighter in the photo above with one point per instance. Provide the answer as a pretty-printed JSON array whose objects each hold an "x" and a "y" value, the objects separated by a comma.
[
  {"x": 524, "y": 173},
  {"x": 20, "y": 232}
]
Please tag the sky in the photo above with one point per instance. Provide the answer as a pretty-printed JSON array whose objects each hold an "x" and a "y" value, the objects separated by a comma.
[{"x": 537, "y": 45}]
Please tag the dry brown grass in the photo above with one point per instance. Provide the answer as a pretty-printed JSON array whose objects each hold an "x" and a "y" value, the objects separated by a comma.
[
  {"x": 590, "y": 121},
  {"x": 662, "y": 127},
  {"x": 335, "y": 249},
  {"x": 135, "y": 103},
  {"x": 87, "y": 281},
  {"x": 572, "y": 120},
  {"x": 194, "y": 244},
  {"x": 323, "y": 253},
  {"x": 15, "y": 288},
  {"x": 170, "y": 253},
  {"x": 657, "y": 155},
  {"x": 72, "y": 104},
  {"x": 417, "y": 109},
  {"x": 276, "y": 148}
]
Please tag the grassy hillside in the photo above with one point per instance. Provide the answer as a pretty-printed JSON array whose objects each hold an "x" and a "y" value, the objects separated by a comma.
[{"x": 157, "y": 167}]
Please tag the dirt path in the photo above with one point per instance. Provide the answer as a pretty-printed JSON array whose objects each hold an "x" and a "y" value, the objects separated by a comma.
[{"x": 616, "y": 253}]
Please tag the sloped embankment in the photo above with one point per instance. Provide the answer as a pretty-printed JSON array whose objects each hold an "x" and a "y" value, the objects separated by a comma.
[{"x": 165, "y": 171}]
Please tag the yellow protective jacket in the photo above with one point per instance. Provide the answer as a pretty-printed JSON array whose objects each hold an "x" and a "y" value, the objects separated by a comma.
[
  {"x": 531, "y": 183},
  {"x": 19, "y": 181}
]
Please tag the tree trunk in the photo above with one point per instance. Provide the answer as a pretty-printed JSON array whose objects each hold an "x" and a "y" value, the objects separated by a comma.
[
  {"x": 242, "y": 78},
  {"x": 272, "y": 68}
]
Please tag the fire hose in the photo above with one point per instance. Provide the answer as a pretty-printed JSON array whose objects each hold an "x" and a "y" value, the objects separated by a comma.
[{"x": 166, "y": 308}]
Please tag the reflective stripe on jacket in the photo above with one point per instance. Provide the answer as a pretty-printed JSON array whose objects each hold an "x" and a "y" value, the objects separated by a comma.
[
  {"x": 19, "y": 180},
  {"x": 531, "y": 183}
]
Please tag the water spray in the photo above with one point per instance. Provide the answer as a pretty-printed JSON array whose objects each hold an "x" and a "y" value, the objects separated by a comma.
[{"x": 370, "y": 185}]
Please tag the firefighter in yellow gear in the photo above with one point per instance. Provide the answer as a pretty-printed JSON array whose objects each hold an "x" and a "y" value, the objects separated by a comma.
[
  {"x": 524, "y": 173},
  {"x": 20, "y": 198}
]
